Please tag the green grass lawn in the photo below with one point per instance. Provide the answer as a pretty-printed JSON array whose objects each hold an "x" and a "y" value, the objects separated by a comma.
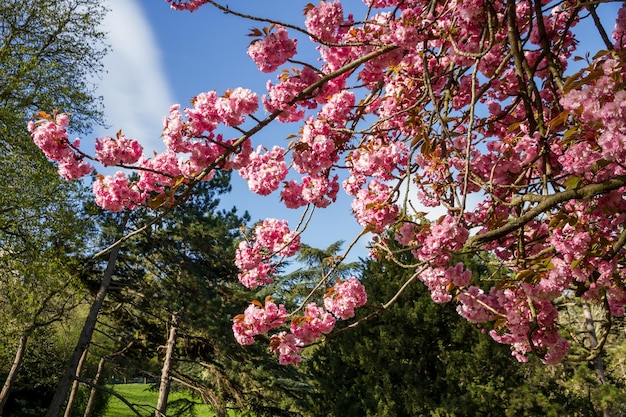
[{"x": 144, "y": 400}]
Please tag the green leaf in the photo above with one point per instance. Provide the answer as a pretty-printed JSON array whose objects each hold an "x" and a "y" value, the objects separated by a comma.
[{"x": 572, "y": 182}]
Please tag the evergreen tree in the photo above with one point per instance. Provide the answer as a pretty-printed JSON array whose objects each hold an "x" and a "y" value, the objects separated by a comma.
[
  {"x": 418, "y": 358},
  {"x": 315, "y": 266}
]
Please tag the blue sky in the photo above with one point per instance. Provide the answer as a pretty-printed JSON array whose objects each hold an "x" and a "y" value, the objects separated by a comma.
[{"x": 160, "y": 57}]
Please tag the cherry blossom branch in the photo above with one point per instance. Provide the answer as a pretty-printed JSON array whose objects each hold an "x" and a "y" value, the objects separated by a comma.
[
  {"x": 468, "y": 146},
  {"x": 408, "y": 282},
  {"x": 545, "y": 203},
  {"x": 378, "y": 310},
  {"x": 315, "y": 38},
  {"x": 599, "y": 26},
  {"x": 327, "y": 275}
]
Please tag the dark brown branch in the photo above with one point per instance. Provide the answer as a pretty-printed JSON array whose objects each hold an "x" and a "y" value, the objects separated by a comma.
[{"x": 545, "y": 203}]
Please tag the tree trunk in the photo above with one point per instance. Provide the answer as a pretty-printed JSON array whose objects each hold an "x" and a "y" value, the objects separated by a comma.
[
  {"x": 166, "y": 371},
  {"x": 17, "y": 361},
  {"x": 85, "y": 336},
  {"x": 92, "y": 395},
  {"x": 598, "y": 362},
  {"x": 75, "y": 385}
]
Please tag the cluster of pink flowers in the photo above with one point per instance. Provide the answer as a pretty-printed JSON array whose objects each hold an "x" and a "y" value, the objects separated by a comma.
[
  {"x": 258, "y": 319},
  {"x": 528, "y": 328},
  {"x": 273, "y": 50},
  {"x": 320, "y": 191},
  {"x": 338, "y": 107},
  {"x": 315, "y": 322},
  {"x": 281, "y": 97},
  {"x": 379, "y": 158},
  {"x": 344, "y": 297},
  {"x": 316, "y": 151},
  {"x": 373, "y": 207},
  {"x": 340, "y": 302},
  {"x": 324, "y": 20},
  {"x": 601, "y": 106},
  {"x": 50, "y": 135},
  {"x": 444, "y": 238},
  {"x": 255, "y": 258},
  {"x": 440, "y": 281},
  {"x": 159, "y": 172},
  {"x": 114, "y": 193},
  {"x": 304, "y": 331},
  {"x": 111, "y": 152},
  {"x": 209, "y": 110},
  {"x": 192, "y": 147},
  {"x": 191, "y": 5},
  {"x": 265, "y": 172}
]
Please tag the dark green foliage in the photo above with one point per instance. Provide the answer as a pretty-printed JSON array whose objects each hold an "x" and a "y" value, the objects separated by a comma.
[
  {"x": 315, "y": 264},
  {"x": 419, "y": 358},
  {"x": 49, "y": 50},
  {"x": 47, "y": 355}
]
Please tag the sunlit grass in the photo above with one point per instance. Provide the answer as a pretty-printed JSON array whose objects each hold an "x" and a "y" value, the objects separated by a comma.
[{"x": 144, "y": 400}]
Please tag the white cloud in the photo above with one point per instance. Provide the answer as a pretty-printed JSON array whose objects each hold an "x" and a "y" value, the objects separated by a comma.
[{"x": 135, "y": 88}]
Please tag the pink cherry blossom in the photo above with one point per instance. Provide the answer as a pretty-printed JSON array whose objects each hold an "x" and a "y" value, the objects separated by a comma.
[
  {"x": 320, "y": 190},
  {"x": 287, "y": 347},
  {"x": 315, "y": 322},
  {"x": 344, "y": 297},
  {"x": 323, "y": 20},
  {"x": 275, "y": 235},
  {"x": 373, "y": 207},
  {"x": 112, "y": 152},
  {"x": 379, "y": 158},
  {"x": 441, "y": 280},
  {"x": 280, "y": 97},
  {"x": 257, "y": 276},
  {"x": 258, "y": 319},
  {"x": 159, "y": 172},
  {"x": 273, "y": 50},
  {"x": 74, "y": 168},
  {"x": 116, "y": 193},
  {"x": 190, "y": 5},
  {"x": 317, "y": 151},
  {"x": 272, "y": 238},
  {"x": 235, "y": 105},
  {"x": 445, "y": 237},
  {"x": 264, "y": 172},
  {"x": 52, "y": 138}
]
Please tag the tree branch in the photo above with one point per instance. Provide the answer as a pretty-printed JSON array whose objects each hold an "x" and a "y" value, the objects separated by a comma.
[{"x": 546, "y": 203}]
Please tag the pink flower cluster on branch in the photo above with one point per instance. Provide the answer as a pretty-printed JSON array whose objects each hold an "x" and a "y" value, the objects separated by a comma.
[
  {"x": 123, "y": 151},
  {"x": 340, "y": 302},
  {"x": 193, "y": 150},
  {"x": 273, "y": 50},
  {"x": 255, "y": 258},
  {"x": 258, "y": 319},
  {"x": 50, "y": 135},
  {"x": 190, "y": 5}
]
